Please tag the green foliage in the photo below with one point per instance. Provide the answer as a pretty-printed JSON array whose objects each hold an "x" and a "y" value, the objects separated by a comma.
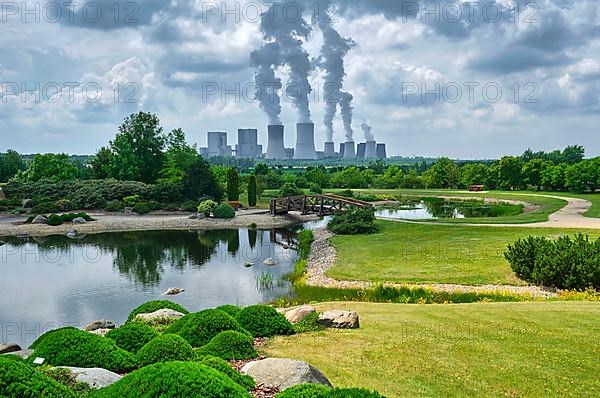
[
  {"x": 165, "y": 348},
  {"x": 229, "y": 345},
  {"x": 51, "y": 167},
  {"x": 232, "y": 310},
  {"x": 152, "y": 306},
  {"x": 18, "y": 379},
  {"x": 305, "y": 239},
  {"x": 200, "y": 327},
  {"x": 290, "y": 189},
  {"x": 347, "y": 193},
  {"x": 315, "y": 188},
  {"x": 252, "y": 190},
  {"x": 11, "y": 163},
  {"x": 44, "y": 206},
  {"x": 233, "y": 184},
  {"x": 132, "y": 336},
  {"x": 55, "y": 220},
  {"x": 174, "y": 380},
  {"x": 132, "y": 200},
  {"x": 66, "y": 378},
  {"x": 303, "y": 391},
  {"x": 73, "y": 347},
  {"x": 310, "y": 323},
  {"x": 146, "y": 207},
  {"x": 224, "y": 211},
  {"x": 564, "y": 263},
  {"x": 264, "y": 321},
  {"x": 101, "y": 163},
  {"x": 190, "y": 206},
  {"x": 65, "y": 205},
  {"x": 224, "y": 367},
  {"x": 350, "y": 177},
  {"x": 114, "y": 206},
  {"x": 207, "y": 207},
  {"x": 443, "y": 174},
  {"x": 354, "y": 222}
]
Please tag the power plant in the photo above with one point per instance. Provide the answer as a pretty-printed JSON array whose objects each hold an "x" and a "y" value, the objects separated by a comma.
[
  {"x": 305, "y": 142},
  {"x": 247, "y": 146},
  {"x": 349, "y": 151},
  {"x": 275, "y": 146}
]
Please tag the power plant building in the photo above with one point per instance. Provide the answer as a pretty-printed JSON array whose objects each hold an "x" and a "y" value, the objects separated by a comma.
[
  {"x": 217, "y": 145},
  {"x": 305, "y": 142},
  {"x": 247, "y": 146},
  {"x": 360, "y": 150},
  {"x": 275, "y": 146}
]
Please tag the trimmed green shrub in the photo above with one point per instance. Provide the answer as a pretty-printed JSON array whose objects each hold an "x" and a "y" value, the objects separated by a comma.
[
  {"x": 114, "y": 206},
  {"x": 232, "y": 310},
  {"x": 156, "y": 305},
  {"x": 310, "y": 323},
  {"x": 199, "y": 328},
  {"x": 229, "y": 345},
  {"x": 224, "y": 367},
  {"x": 68, "y": 217},
  {"x": 85, "y": 216},
  {"x": 252, "y": 187},
  {"x": 233, "y": 184},
  {"x": 264, "y": 321},
  {"x": 65, "y": 205},
  {"x": 224, "y": 211},
  {"x": 65, "y": 377},
  {"x": 165, "y": 348},
  {"x": 18, "y": 379},
  {"x": 347, "y": 193},
  {"x": 207, "y": 206},
  {"x": 73, "y": 347},
  {"x": 54, "y": 220},
  {"x": 174, "y": 380},
  {"x": 290, "y": 189},
  {"x": 304, "y": 391},
  {"x": 132, "y": 336},
  {"x": 189, "y": 206},
  {"x": 146, "y": 207},
  {"x": 316, "y": 188},
  {"x": 44, "y": 207},
  {"x": 353, "y": 222}
]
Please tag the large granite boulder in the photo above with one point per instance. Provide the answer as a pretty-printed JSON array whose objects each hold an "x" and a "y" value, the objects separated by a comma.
[
  {"x": 39, "y": 220},
  {"x": 21, "y": 353},
  {"x": 162, "y": 314},
  {"x": 94, "y": 377},
  {"x": 295, "y": 315},
  {"x": 283, "y": 373},
  {"x": 338, "y": 319},
  {"x": 7, "y": 348},
  {"x": 101, "y": 324},
  {"x": 79, "y": 220}
]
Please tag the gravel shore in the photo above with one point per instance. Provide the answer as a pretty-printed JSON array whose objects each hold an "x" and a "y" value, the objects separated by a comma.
[{"x": 323, "y": 256}]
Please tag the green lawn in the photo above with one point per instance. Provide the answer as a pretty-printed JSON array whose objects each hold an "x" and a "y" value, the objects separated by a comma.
[
  {"x": 459, "y": 350},
  {"x": 430, "y": 253}
]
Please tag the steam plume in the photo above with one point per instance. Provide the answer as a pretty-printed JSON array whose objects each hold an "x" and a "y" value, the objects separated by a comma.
[
  {"x": 347, "y": 109},
  {"x": 367, "y": 130},
  {"x": 265, "y": 60}
]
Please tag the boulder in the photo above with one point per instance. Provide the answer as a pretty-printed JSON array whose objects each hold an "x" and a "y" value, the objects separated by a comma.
[
  {"x": 295, "y": 315},
  {"x": 172, "y": 291},
  {"x": 269, "y": 261},
  {"x": 338, "y": 319},
  {"x": 6, "y": 348},
  {"x": 79, "y": 220},
  {"x": 39, "y": 220},
  {"x": 21, "y": 353},
  {"x": 283, "y": 373},
  {"x": 72, "y": 233},
  {"x": 94, "y": 377},
  {"x": 100, "y": 324},
  {"x": 100, "y": 332},
  {"x": 163, "y": 313},
  {"x": 27, "y": 203}
]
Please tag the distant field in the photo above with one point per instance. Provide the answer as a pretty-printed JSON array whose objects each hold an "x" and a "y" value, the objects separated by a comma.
[
  {"x": 430, "y": 253},
  {"x": 459, "y": 350}
]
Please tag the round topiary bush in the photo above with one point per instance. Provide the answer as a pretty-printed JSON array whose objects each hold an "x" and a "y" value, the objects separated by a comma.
[
  {"x": 224, "y": 211},
  {"x": 199, "y": 328},
  {"x": 206, "y": 207},
  {"x": 174, "y": 380},
  {"x": 264, "y": 321},
  {"x": 229, "y": 345},
  {"x": 54, "y": 220},
  {"x": 18, "y": 379},
  {"x": 156, "y": 305},
  {"x": 74, "y": 347},
  {"x": 304, "y": 391},
  {"x": 224, "y": 367},
  {"x": 165, "y": 348},
  {"x": 132, "y": 336},
  {"x": 232, "y": 310}
]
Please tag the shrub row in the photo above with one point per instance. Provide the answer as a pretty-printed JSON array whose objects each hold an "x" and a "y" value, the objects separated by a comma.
[{"x": 353, "y": 222}]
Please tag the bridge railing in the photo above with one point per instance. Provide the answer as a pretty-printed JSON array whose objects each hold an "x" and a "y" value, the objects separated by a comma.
[{"x": 314, "y": 204}]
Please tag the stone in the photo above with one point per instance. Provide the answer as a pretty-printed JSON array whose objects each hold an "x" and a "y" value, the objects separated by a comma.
[
  {"x": 100, "y": 332},
  {"x": 269, "y": 261},
  {"x": 94, "y": 377},
  {"x": 163, "y": 313},
  {"x": 248, "y": 264},
  {"x": 172, "y": 291},
  {"x": 100, "y": 324},
  {"x": 295, "y": 315},
  {"x": 26, "y": 203},
  {"x": 338, "y": 319},
  {"x": 79, "y": 220},
  {"x": 21, "y": 353},
  {"x": 72, "y": 233},
  {"x": 39, "y": 220},
  {"x": 6, "y": 348},
  {"x": 283, "y": 373}
]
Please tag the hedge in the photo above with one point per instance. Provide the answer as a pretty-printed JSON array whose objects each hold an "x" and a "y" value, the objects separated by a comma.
[
  {"x": 353, "y": 222},
  {"x": 229, "y": 345},
  {"x": 132, "y": 336},
  {"x": 264, "y": 321},
  {"x": 199, "y": 328},
  {"x": 224, "y": 367},
  {"x": 152, "y": 306},
  {"x": 18, "y": 379},
  {"x": 165, "y": 348},
  {"x": 224, "y": 211},
  {"x": 231, "y": 309}
]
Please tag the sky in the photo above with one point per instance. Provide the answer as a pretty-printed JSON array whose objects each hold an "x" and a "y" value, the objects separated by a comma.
[{"x": 469, "y": 80}]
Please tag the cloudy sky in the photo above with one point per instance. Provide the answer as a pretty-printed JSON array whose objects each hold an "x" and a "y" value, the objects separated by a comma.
[{"x": 439, "y": 77}]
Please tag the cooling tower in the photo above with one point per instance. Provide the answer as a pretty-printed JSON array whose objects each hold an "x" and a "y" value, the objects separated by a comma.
[
  {"x": 360, "y": 150},
  {"x": 371, "y": 150},
  {"x": 342, "y": 146},
  {"x": 381, "y": 154},
  {"x": 275, "y": 147},
  {"x": 329, "y": 149},
  {"x": 305, "y": 141},
  {"x": 349, "y": 150}
]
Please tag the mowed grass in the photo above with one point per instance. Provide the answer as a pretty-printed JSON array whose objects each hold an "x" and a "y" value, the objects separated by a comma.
[
  {"x": 430, "y": 253},
  {"x": 459, "y": 350}
]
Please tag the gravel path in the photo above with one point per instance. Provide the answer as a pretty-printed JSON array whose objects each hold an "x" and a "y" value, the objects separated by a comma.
[{"x": 323, "y": 256}]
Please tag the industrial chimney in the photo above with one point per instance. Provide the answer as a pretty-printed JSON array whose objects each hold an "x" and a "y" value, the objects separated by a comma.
[
  {"x": 371, "y": 150},
  {"x": 381, "y": 154},
  {"x": 329, "y": 149},
  {"x": 275, "y": 148},
  {"x": 360, "y": 150},
  {"x": 342, "y": 147},
  {"x": 305, "y": 141},
  {"x": 349, "y": 150}
]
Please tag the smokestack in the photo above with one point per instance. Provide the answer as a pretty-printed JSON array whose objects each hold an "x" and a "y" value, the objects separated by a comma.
[
  {"x": 305, "y": 141},
  {"x": 349, "y": 150},
  {"x": 275, "y": 148},
  {"x": 381, "y": 154},
  {"x": 342, "y": 147},
  {"x": 360, "y": 150},
  {"x": 329, "y": 149},
  {"x": 371, "y": 150}
]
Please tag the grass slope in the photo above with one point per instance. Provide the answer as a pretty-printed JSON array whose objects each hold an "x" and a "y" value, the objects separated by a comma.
[
  {"x": 429, "y": 253},
  {"x": 460, "y": 350}
]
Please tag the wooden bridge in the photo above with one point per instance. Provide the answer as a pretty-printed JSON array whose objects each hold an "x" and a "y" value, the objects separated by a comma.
[{"x": 323, "y": 205}]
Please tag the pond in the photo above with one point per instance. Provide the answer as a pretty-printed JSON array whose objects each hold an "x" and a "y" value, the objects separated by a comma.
[
  {"x": 435, "y": 208},
  {"x": 55, "y": 281}
]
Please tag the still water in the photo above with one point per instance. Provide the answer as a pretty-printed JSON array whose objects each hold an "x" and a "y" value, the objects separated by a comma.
[{"x": 56, "y": 281}]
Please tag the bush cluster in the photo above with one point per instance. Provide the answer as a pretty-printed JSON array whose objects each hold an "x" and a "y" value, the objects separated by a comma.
[
  {"x": 224, "y": 367},
  {"x": 73, "y": 347},
  {"x": 264, "y": 321},
  {"x": 200, "y": 327},
  {"x": 56, "y": 219},
  {"x": 165, "y": 348},
  {"x": 290, "y": 189},
  {"x": 353, "y": 222},
  {"x": 564, "y": 263},
  {"x": 114, "y": 205},
  {"x": 229, "y": 345},
  {"x": 206, "y": 207},
  {"x": 18, "y": 379},
  {"x": 132, "y": 336},
  {"x": 155, "y": 305},
  {"x": 224, "y": 211},
  {"x": 146, "y": 207},
  {"x": 232, "y": 310}
]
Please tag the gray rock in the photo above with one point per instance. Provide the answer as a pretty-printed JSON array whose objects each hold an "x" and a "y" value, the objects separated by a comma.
[
  {"x": 6, "y": 348},
  {"x": 72, "y": 233},
  {"x": 172, "y": 291},
  {"x": 295, "y": 315},
  {"x": 193, "y": 217},
  {"x": 101, "y": 332},
  {"x": 161, "y": 314},
  {"x": 269, "y": 261},
  {"x": 94, "y": 377},
  {"x": 100, "y": 324},
  {"x": 21, "y": 353},
  {"x": 338, "y": 319},
  {"x": 283, "y": 373},
  {"x": 39, "y": 220},
  {"x": 79, "y": 220},
  {"x": 26, "y": 203},
  {"x": 201, "y": 216}
]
